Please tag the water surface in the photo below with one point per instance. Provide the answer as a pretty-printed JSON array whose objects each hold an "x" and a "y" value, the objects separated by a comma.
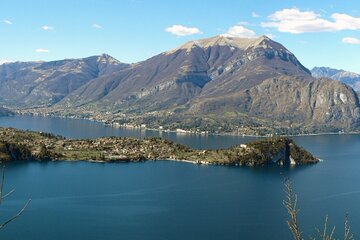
[{"x": 172, "y": 200}]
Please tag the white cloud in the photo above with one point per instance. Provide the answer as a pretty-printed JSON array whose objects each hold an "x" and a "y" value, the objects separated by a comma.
[
  {"x": 180, "y": 30},
  {"x": 295, "y": 21},
  {"x": 240, "y": 31},
  {"x": 42, "y": 50},
  {"x": 255, "y": 15},
  {"x": 351, "y": 40},
  {"x": 95, "y": 25},
  {"x": 8, "y": 22},
  {"x": 47, "y": 28}
]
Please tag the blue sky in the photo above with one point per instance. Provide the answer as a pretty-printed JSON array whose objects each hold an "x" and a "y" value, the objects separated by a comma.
[{"x": 319, "y": 33}]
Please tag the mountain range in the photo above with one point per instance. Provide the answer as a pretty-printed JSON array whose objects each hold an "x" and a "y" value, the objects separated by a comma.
[
  {"x": 350, "y": 78},
  {"x": 255, "y": 82},
  {"x": 34, "y": 84}
]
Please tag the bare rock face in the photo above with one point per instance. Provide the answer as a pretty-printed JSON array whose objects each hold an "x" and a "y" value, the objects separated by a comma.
[
  {"x": 350, "y": 78},
  {"x": 332, "y": 102},
  {"x": 316, "y": 102}
]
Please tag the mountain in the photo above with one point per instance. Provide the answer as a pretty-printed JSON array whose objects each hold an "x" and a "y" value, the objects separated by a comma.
[
  {"x": 34, "y": 84},
  {"x": 225, "y": 79},
  {"x": 350, "y": 78},
  {"x": 194, "y": 71},
  {"x": 218, "y": 82}
]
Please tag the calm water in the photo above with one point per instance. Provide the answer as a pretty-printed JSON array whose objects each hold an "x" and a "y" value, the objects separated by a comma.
[{"x": 170, "y": 200}]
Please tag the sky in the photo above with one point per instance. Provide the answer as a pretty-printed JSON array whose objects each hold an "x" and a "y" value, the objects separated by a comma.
[{"x": 318, "y": 32}]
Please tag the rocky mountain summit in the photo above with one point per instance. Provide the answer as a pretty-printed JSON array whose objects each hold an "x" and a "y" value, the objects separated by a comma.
[
  {"x": 350, "y": 78},
  {"x": 226, "y": 82}
]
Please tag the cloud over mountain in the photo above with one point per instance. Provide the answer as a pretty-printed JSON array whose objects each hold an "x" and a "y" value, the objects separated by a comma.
[
  {"x": 296, "y": 21},
  {"x": 181, "y": 31},
  {"x": 240, "y": 31}
]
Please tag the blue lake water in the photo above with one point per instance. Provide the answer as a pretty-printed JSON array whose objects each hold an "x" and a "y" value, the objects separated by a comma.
[{"x": 172, "y": 200}]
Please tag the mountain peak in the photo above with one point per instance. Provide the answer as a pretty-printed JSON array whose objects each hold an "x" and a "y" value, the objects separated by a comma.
[
  {"x": 106, "y": 58},
  {"x": 350, "y": 78},
  {"x": 226, "y": 40}
]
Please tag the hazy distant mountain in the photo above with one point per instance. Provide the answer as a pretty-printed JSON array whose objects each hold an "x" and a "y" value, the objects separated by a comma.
[
  {"x": 31, "y": 84},
  {"x": 221, "y": 77},
  {"x": 350, "y": 78}
]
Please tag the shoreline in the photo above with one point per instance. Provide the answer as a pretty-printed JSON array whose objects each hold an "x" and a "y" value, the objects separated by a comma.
[
  {"x": 24, "y": 145},
  {"x": 193, "y": 133},
  {"x": 120, "y": 162}
]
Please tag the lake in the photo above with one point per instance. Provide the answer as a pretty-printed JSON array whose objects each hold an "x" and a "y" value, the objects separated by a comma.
[{"x": 173, "y": 200}]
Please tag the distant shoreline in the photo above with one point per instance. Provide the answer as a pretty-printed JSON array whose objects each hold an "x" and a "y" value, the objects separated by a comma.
[
  {"x": 195, "y": 133},
  {"x": 247, "y": 135}
]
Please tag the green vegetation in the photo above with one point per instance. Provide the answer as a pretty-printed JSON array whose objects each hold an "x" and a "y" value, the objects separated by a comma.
[
  {"x": 23, "y": 145},
  {"x": 27, "y": 145},
  {"x": 11, "y": 151}
]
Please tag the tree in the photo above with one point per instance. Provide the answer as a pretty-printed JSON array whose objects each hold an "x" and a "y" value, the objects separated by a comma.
[
  {"x": 290, "y": 203},
  {"x": 44, "y": 153},
  {"x": 2, "y": 196}
]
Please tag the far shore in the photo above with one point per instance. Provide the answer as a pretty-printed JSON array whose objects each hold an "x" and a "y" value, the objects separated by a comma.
[{"x": 196, "y": 133}]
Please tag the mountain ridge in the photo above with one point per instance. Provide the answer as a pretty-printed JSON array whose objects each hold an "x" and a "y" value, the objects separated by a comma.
[
  {"x": 350, "y": 78},
  {"x": 223, "y": 81},
  {"x": 39, "y": 83},
  {"x": 202, "y": 65}
]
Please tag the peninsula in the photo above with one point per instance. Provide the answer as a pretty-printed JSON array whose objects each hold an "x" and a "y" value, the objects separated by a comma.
[{"x": 27, "y": 145}]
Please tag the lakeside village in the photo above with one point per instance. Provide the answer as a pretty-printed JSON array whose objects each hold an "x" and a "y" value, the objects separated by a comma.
[
  {"x": 28, "y": 145},
  {"x": 160, "y": 128},
  {"x": 120, "y": 120},
  {"x": 104, "y": 119}
]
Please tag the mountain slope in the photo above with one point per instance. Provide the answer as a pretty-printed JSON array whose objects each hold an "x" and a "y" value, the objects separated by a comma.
[
  {"x": 320, "y": 102},
  {"x": 208, "y": 83},
  {"x": 221, "y": 77},
  {"x": 206, "y": 67},
  {"x": 350, "y": 78},
  {"x": 33, "y": 84}
]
